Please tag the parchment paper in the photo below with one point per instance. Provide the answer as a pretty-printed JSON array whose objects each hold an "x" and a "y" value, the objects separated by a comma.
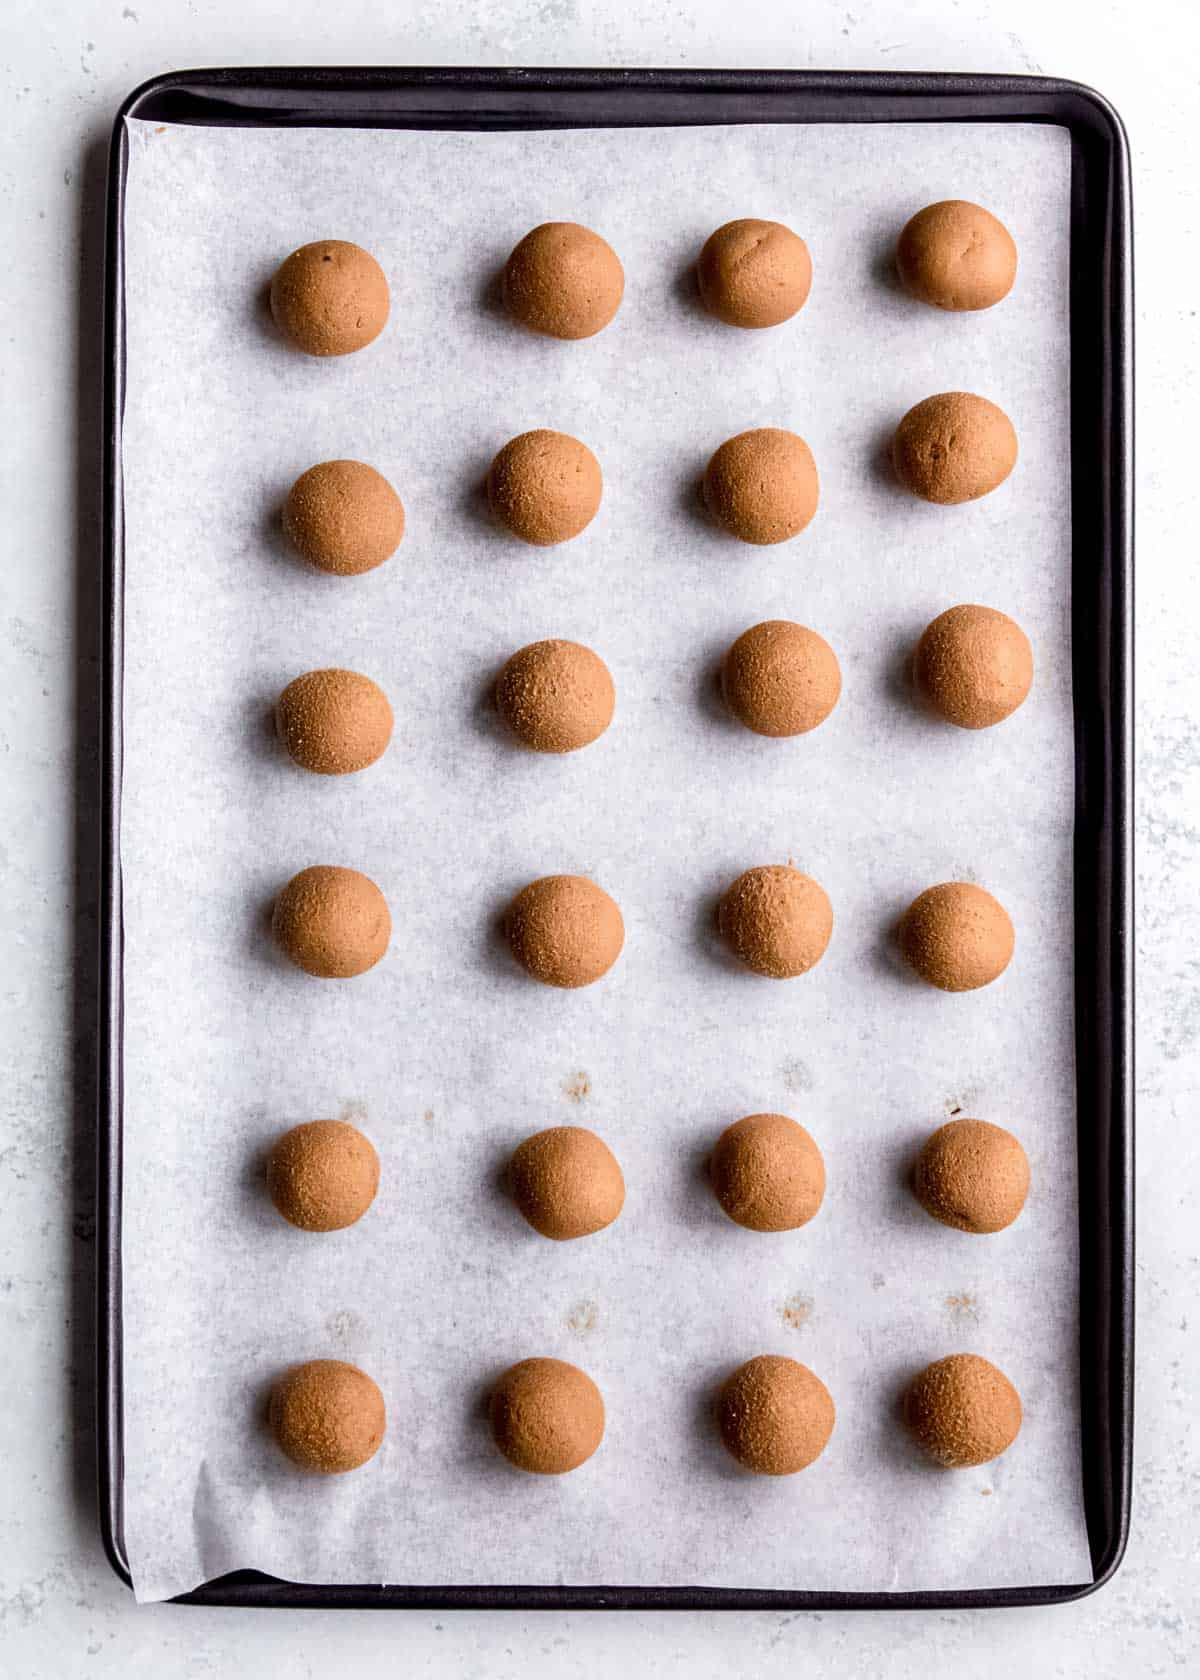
[{"x": 445, "y": 1054}]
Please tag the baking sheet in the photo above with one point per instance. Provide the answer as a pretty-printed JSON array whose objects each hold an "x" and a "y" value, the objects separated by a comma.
[{"x": 445, "y": 1054}]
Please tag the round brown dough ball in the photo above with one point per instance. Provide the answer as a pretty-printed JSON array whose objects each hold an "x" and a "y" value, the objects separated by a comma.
[
  {"x": 563, "y": 280},
  {"x": 545, "y": 487},
  {"x": 566, "y": 1182},
  {"x": 767, "y": 1173},
  {"x": 343, "y": 517},
  {"x": 957, "y": 936},
  {"x": 761, "y": 486},
  {"x": 332, "y": 922},
  {"x": 972, "y": 1175},
  {"x": 776, "y": 920},
  {"x": 328, "y": 1416},
  {"x": 781, "y": 678},
  {"x": 334, "y": 722},
  {"x": 963, "y": 1411},
  {"x": 956, "y": 255},
  {"x": 556, "y": 696},
  {"x": 775, "y": 1415},
  {"x": 974, "y": 665},
  {"x": 565, "y": 930},
  {"x": 330, "y": 298},
  {"x": 323, "y": 1175},
  {"x": 954, "y": 447},
  {"x": 754, "y": 273},
  {"x": 547, "y": 1416}
]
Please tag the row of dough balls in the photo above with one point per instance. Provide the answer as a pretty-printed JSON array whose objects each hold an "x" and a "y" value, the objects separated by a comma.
[
  {"x": 545, "y": 487},
  {"x": 547, "y": 1416},
  {"x": 564, "y": 930},
  {"x": 565, "y": 281},
  {"x": 766, "y": 1171},
  {"x": 973, "y": 666}
]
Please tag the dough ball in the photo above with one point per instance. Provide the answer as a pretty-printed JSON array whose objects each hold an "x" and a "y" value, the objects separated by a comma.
[
  {"x": 954, "y": 448},
  {"x": 556, "y": 696},
  {"x": 957, "y": 936},
  {"x": 767, "y": 1173},
  {"x": 762, "y": 486},
  {"x": 565, "y": 930},
  {"x": 330, "y": 297},
  {"x": 332, "y": 922},
  {"x": 972, "y": 1175},
  {"x": 963, "y": 1411},
  {"x": 547, "y": 1416},
  {"x": 563, "y": 280},
  {"x": 333, "y": 722},
  {"x": 956, "y": 255},
  {"x": 754, "y": 274},
  {"x": 343, "y": 517},
  {"x": 775, "y": 1415},
  {"x": 545, "y": 486},
  {"x": 776, "y": 920},
  {"x": 974, "y": 665},
  {"x": 780, "y": 678},
  {"x": 323, "y": 1175},
  {"x": 328, "y": 1416},
  {"x": 566, "y": 1182}
]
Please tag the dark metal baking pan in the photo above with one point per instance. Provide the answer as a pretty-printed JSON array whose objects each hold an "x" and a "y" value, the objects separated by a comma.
[{"x": 1102, "y": 666}]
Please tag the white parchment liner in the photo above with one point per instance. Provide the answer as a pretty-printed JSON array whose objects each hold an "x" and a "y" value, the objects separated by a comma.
[{"x": 445, "y": 1054}]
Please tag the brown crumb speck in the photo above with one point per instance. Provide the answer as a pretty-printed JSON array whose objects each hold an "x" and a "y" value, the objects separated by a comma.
[
  {"x": 963, "y": 1307},
  {"x": 796, "y": 1311},
  {"x": 578, "y": 1087},
  {"x": 582, "y": 1317}
]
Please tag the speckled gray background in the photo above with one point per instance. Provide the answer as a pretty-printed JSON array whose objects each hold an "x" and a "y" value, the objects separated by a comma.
[{"x": 61, "y": 1612}]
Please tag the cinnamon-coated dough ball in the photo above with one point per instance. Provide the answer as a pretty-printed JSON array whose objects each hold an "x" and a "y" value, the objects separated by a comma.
[
  {"x": 775, "y": 1415},
  {"x": 545, "y": 487},
  {"x": 957, "y": 936},
  {"x": 556, "y": 696},
  {"x": 334, "y": 722},
  {"x": 974, "y": 665},
  {"x": 328, "y": 1416},
  {"x": 954, "y": 447},
  {"x": 767, "y": 1173},
  {"x": 330, "y": 298},
  {"x": 761, "y": 486},
  {"x": 956, "y": 255},
  {"x": 776, "y": 920},
  {"x": 547, "y": 1416},
  {"x": 972, "y": 1176},
  {"x": 566, "y": 1182},
  {"x": 343, "y": 517},
  {"x": 323, "y": 1175},
  {"x": 563, "y": 280},
  {"x": 781, "y": 678},
  {"x": 565, "y": 930},
  {"x": 963, "y": 1410},
  {"x": 332, "y": 922},
  {"x": 754, "y": 273}
]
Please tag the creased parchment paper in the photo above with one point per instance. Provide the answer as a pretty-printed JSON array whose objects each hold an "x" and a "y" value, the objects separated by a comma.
[{"x": 445, "y": 1054}]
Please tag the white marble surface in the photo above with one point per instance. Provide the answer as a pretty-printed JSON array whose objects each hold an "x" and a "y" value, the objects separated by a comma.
[{"x": 65, "y": 66}]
